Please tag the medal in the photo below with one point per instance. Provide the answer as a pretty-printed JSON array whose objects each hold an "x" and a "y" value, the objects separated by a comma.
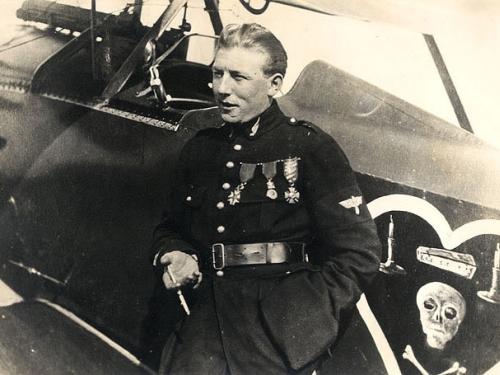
[
  {"x": 291, "y": 173},
  {"x": 271, "y": 191},
  {"x": 246, "y": 174},
  {"x": 292, "y": 195},
  {"x": 269, "y": 171},
  {"x": 235, "y": 196}
]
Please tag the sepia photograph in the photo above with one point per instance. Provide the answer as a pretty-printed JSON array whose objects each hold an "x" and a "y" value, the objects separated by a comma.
[{"x": 246, "y": 187}]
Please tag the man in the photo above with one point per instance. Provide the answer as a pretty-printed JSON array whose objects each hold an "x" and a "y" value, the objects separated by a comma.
[{"x": 267, "y": 223}]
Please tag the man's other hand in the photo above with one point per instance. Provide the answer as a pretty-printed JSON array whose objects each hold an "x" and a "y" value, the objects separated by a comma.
[{"x": 183, "y": 270}]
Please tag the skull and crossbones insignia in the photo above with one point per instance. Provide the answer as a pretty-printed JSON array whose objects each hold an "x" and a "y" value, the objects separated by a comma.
[
  {"x": 409, "y": 355},
  {"x": 442, "y": 310}
]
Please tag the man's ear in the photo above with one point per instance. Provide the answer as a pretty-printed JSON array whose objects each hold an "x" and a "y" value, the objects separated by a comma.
[{"x": 275, "y": 82}]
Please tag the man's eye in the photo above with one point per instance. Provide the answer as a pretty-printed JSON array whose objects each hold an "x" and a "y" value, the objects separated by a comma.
[
  {"x": 239, "y": 78},
  {"x": 217, "y": 74}
]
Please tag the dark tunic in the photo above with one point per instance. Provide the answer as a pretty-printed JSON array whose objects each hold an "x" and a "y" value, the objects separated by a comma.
[{"x": 266, "y": 318}]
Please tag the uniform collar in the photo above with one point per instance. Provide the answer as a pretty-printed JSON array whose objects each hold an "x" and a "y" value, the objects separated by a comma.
[{"x": 266, "y": 121}]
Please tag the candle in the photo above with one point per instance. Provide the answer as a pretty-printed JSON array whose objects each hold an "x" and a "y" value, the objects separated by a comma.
[{"x": 391, "y": 228}]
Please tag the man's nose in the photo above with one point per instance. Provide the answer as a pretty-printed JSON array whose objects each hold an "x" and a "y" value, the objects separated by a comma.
[{"x": 223, "y": 85}]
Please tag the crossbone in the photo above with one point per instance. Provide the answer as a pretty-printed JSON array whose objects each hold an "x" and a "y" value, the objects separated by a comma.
[{"x": 455, "y": 369}]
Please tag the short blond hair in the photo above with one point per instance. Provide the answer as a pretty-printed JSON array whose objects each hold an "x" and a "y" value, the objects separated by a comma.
[{"x": 255, "y": 36}]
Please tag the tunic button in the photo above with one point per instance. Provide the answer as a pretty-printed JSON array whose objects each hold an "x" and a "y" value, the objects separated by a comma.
[
  {"x": 221, "y": 229},
  {"x": 237, "y": 147},
  {"x": 226, "y": 185},
  {"x": 230, "y": 164},
  {"x": 188, "y": 198},
  {"x": 220, "y": 205}
]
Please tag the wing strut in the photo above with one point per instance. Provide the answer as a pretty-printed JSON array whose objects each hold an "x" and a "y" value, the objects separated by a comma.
[
  {"x": 463, "y": 120},
  {"x": 212, "y": 7},
  {"x": 127, "y": 68},
  {"x": 92, "y": 39},
  {"x": 137, "y": 9}
]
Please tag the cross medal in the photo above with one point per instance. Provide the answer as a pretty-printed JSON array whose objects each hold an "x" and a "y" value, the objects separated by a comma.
[
  {"x": 291, "y": 172},
  {"x": 246, "y": 174}
]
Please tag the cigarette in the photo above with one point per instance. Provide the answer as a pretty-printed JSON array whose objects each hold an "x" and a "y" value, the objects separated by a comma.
[{"x": 179, "y": 292}]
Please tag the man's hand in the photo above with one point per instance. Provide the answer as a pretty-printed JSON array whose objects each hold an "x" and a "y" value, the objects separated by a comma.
[{"x": 183, "y": 267}]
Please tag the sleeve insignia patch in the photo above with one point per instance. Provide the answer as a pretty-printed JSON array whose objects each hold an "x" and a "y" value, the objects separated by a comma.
[{"x": 352, "y": 202}]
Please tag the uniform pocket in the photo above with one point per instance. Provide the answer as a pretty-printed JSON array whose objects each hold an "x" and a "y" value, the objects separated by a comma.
[
  {"x": 269, "y": 207},
  {"x": 304, "y": 326},
  {"x": 192, "y": 199},
  {"x": 267, "y": 285}
]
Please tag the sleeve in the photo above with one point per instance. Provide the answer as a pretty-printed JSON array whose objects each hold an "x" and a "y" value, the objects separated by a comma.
[
  {"x": 169, "y": 234},
  {"x": 347, "y": 243}
]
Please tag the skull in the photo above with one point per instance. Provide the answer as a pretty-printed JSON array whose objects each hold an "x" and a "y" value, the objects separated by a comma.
[{"x": 442, "y": 310}]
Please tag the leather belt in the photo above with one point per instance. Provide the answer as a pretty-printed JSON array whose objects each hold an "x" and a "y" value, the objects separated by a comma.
[{"x": 257, "y": 253}]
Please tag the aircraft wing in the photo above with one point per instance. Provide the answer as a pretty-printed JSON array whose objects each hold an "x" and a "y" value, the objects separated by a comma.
[{"x": 425, "y": 16}]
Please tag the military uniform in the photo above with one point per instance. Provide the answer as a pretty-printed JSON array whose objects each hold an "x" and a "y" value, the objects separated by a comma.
[{"x": 273, "y": 179}]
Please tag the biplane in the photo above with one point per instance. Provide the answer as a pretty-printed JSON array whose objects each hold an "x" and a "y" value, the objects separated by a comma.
[{"x": 92, "y": 104}]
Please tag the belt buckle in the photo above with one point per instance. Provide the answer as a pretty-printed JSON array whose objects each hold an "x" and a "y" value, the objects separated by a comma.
[{"x": 218, "y": 248}]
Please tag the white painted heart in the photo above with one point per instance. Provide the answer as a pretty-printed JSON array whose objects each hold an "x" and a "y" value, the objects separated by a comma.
[{"x": 450, "y": 239}]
